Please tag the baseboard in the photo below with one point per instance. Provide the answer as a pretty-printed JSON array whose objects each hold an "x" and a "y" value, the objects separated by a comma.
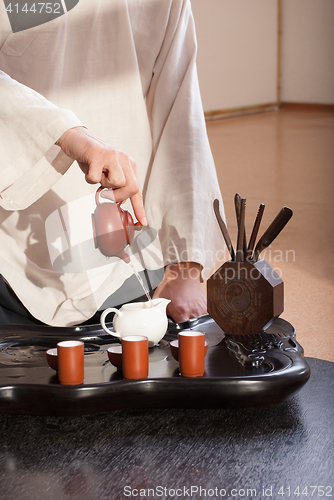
[
  {"x": 245, "y": 110},
  {"x": 306, "y": 106}
]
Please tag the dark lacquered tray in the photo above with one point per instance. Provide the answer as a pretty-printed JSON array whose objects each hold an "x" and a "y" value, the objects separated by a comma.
[{"x": 241, "y": 371}]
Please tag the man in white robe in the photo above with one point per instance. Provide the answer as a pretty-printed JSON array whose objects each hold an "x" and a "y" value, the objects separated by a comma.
[{"x": 122, "y": 73}]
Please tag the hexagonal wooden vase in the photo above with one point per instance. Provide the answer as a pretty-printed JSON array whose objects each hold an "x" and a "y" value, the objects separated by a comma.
[{"x": 245, "y": 297}]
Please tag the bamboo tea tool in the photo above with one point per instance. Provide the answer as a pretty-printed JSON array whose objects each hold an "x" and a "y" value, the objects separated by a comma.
[
  {"x": 223, "y": 229},
  {"x": 273, "y": 231}
]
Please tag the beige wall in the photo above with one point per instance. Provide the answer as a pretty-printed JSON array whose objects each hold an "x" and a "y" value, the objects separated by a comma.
[
  {"x": 237, "y": 51},
  {"x": 308, "y": 51}
]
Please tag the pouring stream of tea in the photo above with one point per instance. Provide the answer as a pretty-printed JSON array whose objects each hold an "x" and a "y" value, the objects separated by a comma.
[{"x": 139, "y": 278}]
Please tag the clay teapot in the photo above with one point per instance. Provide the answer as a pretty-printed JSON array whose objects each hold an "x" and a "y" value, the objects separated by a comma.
[{"x": 113, "y": 228}]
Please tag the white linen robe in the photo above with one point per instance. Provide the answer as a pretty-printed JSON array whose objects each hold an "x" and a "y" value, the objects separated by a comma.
[{"x": 126, "y": 69}]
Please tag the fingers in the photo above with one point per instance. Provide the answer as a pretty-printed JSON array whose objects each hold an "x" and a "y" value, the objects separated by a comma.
[
  {"x": 130, "y": 189},
  {"x": 119, "y": 172},
  {"x": 181, "y": 310},
  {"x": 109, "y": 174},
  {"x": 105, "y": 166},
  {"x": 182, "y": 286},
  {"x": 138, "y": 208},
  {"x": 102, "y": 164}
]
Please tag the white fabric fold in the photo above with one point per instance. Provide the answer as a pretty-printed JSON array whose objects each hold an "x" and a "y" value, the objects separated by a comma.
[{"x": 126, "y": 69}]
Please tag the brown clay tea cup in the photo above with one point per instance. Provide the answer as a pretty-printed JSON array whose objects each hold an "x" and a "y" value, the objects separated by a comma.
[
  {"x": 135, "y": 356},
  {"x": 70, "y": 362},
  {"x": 174, "y": 348},
  {"x": 115, "y": 356},
  {"x": 52, "y": 358},
  {"x": 191, "y": 353}
]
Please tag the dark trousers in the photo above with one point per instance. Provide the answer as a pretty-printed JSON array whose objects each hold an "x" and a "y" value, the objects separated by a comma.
[{"x": 12, "y": 311}]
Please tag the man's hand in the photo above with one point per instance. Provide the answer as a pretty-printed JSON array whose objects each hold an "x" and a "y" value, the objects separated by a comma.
[
  {"x": 181, "y": 284},
  {"x": 103, "y": 164}
]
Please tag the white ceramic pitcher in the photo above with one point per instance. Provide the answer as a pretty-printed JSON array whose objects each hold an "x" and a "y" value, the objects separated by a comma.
[{"x": 139, "y": 318}]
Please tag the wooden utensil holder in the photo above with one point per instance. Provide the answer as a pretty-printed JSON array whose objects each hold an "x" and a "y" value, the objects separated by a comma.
[{"x": 245, "y": 297}]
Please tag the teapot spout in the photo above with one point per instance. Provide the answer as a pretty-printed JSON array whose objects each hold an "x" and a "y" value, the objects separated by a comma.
[
  {"x": 161, "y": 303},
  {"x": 124, "y": 256}
]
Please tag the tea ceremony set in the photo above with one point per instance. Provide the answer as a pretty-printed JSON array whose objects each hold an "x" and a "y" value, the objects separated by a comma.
[{"x": 143, "y": 359}]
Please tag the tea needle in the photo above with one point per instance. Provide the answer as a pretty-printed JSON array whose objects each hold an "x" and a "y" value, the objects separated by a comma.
[
  {"x": 237, "y": 204},
  {"x": 255, "y": 231},
  {"x": 241, "y": 232}
]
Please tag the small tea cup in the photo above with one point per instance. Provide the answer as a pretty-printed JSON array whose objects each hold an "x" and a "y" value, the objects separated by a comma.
[
  {"x": 70, "y": 362},
  {"x": 135, "y": 356},
  {"x": 191, "y": 353},
  {"x": 115, "y": 355},
  {"x": 174, "y": 348},
  {"x": 52, "y": 358}
]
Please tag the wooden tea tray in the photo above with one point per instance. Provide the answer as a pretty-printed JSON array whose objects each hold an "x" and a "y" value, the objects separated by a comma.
[{"x": 240, "y": 371}]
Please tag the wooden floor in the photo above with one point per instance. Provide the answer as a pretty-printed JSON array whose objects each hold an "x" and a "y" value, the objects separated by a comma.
[{"x": 279, "y": 158}]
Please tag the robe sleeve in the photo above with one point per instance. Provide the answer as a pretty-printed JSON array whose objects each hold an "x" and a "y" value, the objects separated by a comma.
[
  {"x": 30, "y": 163},
  {"x": 182, "y": 182}
]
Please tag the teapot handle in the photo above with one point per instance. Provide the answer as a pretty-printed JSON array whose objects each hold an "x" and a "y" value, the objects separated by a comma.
[
  {"x": 97, "y": 196},
  {"x": 129, "y": 221},
  {"x": 103, "y": 320}
]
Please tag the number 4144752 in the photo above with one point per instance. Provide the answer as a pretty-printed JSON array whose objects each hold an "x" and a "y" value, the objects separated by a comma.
[
  {"x": 307, "y": 491},
  {"x": 36, "y": 8}
]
